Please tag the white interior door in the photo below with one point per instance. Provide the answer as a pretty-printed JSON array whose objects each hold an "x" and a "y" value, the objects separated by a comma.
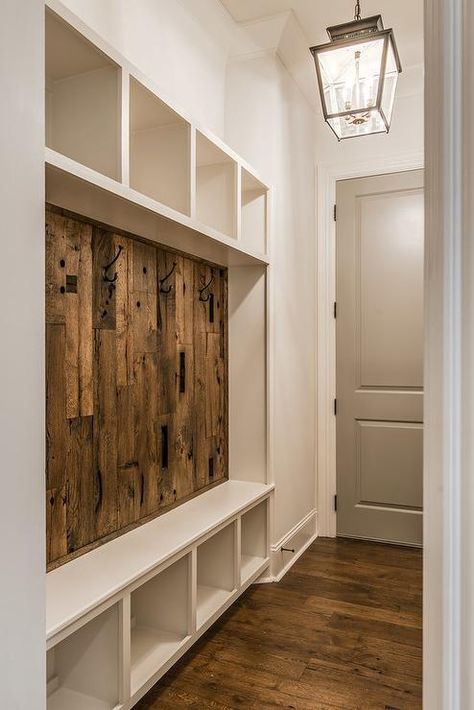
[{"x": 379, "y": 341}]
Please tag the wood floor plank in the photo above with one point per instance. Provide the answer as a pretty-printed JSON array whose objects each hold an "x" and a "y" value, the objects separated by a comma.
[{"x": 348, "y": 641}]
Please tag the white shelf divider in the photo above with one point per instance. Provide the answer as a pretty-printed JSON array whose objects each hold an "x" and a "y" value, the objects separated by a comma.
[{"x": 254, "y": 541}]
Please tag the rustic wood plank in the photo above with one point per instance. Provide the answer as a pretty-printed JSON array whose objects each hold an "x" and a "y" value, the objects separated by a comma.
[
  {"x": 184, "y": 422},
  {"x": 167, "y": 341},
  {"x": 104, "y": 292},
  {"x": 166, "y": 437},
  {"x": 80, "y": 484},
  {"x": 57, "y": 431},
  {"x": 105, "y": 434},
  {"x": 185, "y": 295},
  {"x": 124, "y": 311},
  {"x": 78, "y": 300},
  {"x": 146, "y": 425},
  {"x": 56, "y": 525},
  {"x": 55, "y": 264}
]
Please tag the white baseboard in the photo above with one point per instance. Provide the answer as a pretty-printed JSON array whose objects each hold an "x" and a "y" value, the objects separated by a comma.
[{"x": 299, "y": 538}]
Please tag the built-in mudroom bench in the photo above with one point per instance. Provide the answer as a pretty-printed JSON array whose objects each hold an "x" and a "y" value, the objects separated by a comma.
[{"x": 119, "y": 616}]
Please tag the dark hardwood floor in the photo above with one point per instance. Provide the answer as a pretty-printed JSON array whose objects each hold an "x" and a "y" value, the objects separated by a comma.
[{"x": 341, "y": 630}]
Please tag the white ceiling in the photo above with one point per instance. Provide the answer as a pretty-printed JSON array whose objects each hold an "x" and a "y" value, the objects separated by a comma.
[{"x": 405, "y": 16}]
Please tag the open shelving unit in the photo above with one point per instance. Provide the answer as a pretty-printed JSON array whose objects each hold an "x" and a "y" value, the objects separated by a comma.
[
  {"x": 121, "y": 615},
  {"x": 116, "y": 145}
]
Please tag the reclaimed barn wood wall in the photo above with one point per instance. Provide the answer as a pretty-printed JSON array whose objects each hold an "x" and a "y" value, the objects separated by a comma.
[{"x": 136, "y": 382}]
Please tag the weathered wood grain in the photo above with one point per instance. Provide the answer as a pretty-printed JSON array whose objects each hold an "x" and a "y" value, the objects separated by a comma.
[
  {"x": 105, "y": 433},
  {"x": 80, "y": 502},
  {"x": 57, "y": 429},
  {"x": 56, "y": 524},
  {"x": 55, "y": 264},
  {"x": 104, "y": 292},
  {"x": 124, "y": 311},
  {"x": 146, "y": 430},
  {"x": 136, "y": 382},
  {"x": 78, "y": 300}
]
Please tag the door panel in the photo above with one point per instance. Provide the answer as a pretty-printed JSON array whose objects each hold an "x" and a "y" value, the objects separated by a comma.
[
  {"x": 380, "y": 244},
  {"x": 390, "y": 259},
  {"x": 396, "y": 449}
]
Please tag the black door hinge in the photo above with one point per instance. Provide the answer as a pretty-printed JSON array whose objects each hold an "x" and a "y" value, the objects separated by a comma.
[
  {"x": 335, "y": 309},
  {"x": 335, "y": 213},
  {"x": 335, "y": 407},
  {"x": 335, "y": 503}
]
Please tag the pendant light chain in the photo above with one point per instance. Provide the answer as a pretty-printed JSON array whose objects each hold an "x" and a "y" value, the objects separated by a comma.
[{"x": 357, "y": 11}]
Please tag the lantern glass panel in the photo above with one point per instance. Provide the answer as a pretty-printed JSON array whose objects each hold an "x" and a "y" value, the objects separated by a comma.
[
  {"x": 350, "y": 75},
  {"x": 390, "y": 82},
  {"x": 361, "y": 124}
]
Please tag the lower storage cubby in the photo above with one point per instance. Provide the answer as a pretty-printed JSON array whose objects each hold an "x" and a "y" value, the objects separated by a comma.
[
  {"x": 83, "y": 670},
  {"x": 253, "y": 541},
  {"x": 215, "y": 573},
  {"x": 160, "y": 621}
]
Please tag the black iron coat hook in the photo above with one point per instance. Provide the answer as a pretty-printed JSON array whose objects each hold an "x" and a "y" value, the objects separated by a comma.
[
  {"x": 204, "y": 288},
  {"x": 165, "y": 279},
  {"x": 107, "y": 278}
]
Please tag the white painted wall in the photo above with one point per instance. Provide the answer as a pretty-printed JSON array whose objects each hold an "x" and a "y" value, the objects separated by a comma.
[
  {"x": 22, "y": 544},
  {"x": 269, "y": 122}
]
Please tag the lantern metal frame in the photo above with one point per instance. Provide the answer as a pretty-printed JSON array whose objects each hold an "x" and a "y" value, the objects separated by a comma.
[{"x": 349, "y": 34}]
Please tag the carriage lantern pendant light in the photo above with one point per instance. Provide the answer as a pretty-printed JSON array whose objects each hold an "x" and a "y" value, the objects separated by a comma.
[{"x": 357, "y": 76}]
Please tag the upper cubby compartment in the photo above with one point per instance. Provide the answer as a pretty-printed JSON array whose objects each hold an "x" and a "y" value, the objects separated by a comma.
[
  {"x": 254, "y": 206},
  {"x": 216, "y": 187},
  {"x": 160, "y": 150},
  {"x": 83, "y": 95}
]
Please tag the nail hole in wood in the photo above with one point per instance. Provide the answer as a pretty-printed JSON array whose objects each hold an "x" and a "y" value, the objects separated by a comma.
[
  {"x": 62, "y": 263},
  {"x": 138, "y": 304},
  {"x": 62, "y": 289},
  {"x": 144, "y": 269}
]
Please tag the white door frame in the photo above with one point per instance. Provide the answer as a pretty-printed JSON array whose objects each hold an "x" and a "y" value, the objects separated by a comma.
[{"x": 327, "y": 177}]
